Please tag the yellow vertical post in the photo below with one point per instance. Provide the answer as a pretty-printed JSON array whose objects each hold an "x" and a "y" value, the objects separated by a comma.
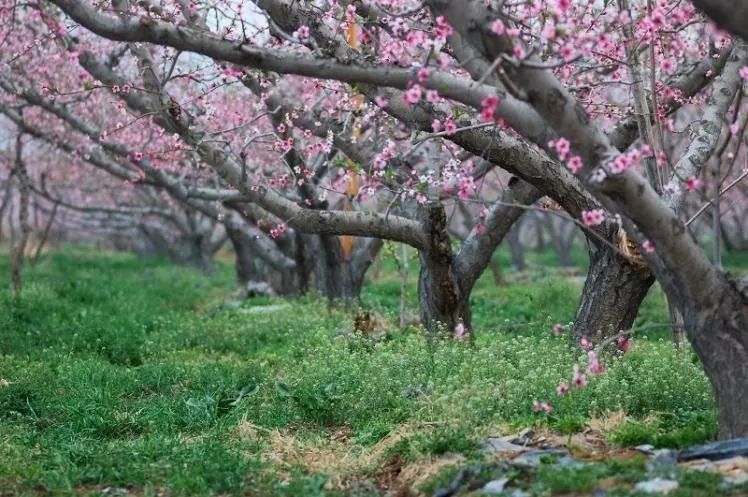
[{"x": 352, "y": 188}]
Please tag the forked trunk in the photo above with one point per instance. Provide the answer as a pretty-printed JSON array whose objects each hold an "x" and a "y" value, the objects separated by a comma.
[
  {"x": 612, "y": 293},
  {"x": 444, "y": 305}
]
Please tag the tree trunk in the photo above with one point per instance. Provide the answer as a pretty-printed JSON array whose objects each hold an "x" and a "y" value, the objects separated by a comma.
[
  {"x": 516, "y": 249},
  {"x": 335, "y": 280},
  {"x": 718, "y": 330},
  {"x": 45, "y": 234},
  {"x": 195, "y": 251},
  {"x": 612, "y": 294},
  {"x": 443, "y": 303},
  {"x": 341, "y": 278},
  {"x": 245, "y": 265},
  {"x": 24, "y": 189}
]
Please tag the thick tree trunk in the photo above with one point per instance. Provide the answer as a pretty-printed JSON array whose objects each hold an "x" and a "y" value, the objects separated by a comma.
[
  {"x": 245, "y": 264},
  {"x": 718, "y": 330},
  {"x": 443, "y": 303},
  {"x": 195, "y": 251},
  {"x": 612, "y": 294},
  {"x": 335, "y": 281},
  {"x": 341, "y": 278},
  {"x": 516, "y": 249}
]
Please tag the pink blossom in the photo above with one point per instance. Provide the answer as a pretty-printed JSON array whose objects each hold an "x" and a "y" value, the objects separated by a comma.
[
  {"x": 624, "y": 344},
  {"x": 558, "y": 329},
  {"x": 744, "y": 72},
  {"x": 575, "y": 164},
  {"x": 488, "y": 108},
  {"x": 449, "y": 126},
  {"x": 593, "y": 217},
  {"x": 460, "y": 331},
  {"x": 443, "y": 29},
  {"x": 436, "y": 125},
  {"x": 593, "y": 365},
  {"x": 302, "y": 33},
  {"x": 483, "y": 213},
  {"x": 423, "y": 75},
  {"x": 648, "y": 246},
  {"x": 432, "y": 96},
  {"x": 620, "y": 164},
  {"x": 562, "y": 389},
  {"x": 562, "y": 146},
  {"x": 278, "y": 231},
  {"x": 579, "y": 380},
  {"x": 138, "y": 156},
  {"x": 413, "y": 94},
  {"x": 585, "y": 343},
  {"x": 693, "y": 183},
  {"x": 382, "y": 101},
  {"x": 541, "y": 406},
  {"x": 735, "y": 128},
  {"x": 567, "y": 52},
  {"x": 497, "y": 27},
  {"x": 480, "y": 228}
]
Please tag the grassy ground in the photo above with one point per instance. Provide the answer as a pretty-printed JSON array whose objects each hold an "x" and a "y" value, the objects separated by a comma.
[{"x": 128, "y": 375}]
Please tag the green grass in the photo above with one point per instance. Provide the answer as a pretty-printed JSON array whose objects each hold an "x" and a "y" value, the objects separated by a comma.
[{"x": 127, "y": 373}]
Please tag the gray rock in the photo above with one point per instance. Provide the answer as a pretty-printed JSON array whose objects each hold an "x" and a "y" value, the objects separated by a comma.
[
  {"x": 657, "y": 485},
  {"x": 663, "y": 460},
  {"x": 724, "y": 449},
  {"x": 258, "y": 289},
  {"x": 494, "y": 444},
  {"x": 524, "y": 437},
  {"x": 494, "y": 487}
]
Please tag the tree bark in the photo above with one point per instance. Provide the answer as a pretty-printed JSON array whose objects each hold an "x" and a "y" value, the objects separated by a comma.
[
  {"x": 516, "y": 249},
  {"x": 245, "y": 265},
  {"x": 612, "y": 294},
  {"x": 443, "y": 303},
  {"x": 718, "y": 330},
  {"x": 24, "y": 189},
  {"x": 341, "y": 278}
]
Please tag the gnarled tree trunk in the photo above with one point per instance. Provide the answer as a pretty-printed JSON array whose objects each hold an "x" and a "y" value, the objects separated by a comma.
[
  {"x": 340, "y": 277},
  {"x": 718, "y": 330},
  {"x": 612, "y": 293},
  {"x": 443, "y": 303}
]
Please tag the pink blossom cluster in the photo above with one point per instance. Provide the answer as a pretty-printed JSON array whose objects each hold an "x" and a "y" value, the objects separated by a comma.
[
  {"x": 541, "y": 406},
  {"x": 278, "y": 230},
  {"x": 381, "y": 159},
  {"x": 593, "y": 217},
  {"x": 488, "y": 108}
]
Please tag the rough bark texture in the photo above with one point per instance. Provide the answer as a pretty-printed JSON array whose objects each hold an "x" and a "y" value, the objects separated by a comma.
[
  {"x": 245, "y": 265},
  {"x": 731, "y": 15},
  {"x": 612, "y": 294},
  {"x": 516, "y": 249},
  {"x": 24, "y": 189},
  {"x": 443, "y": 303},
  {"x": 341, "y": 278},
  {"x": 718, "y": 330}
]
